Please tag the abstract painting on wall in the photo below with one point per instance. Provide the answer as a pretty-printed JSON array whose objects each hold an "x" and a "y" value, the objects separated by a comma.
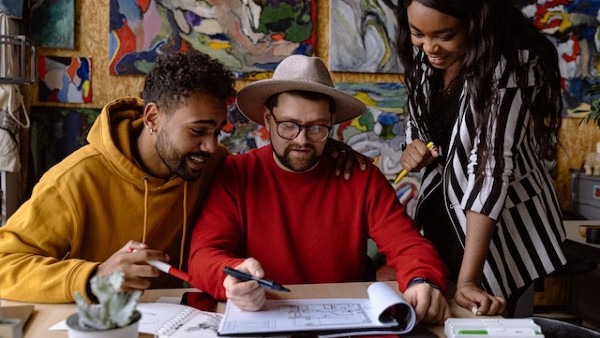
[
  {"x": 52, "y": 23},
  {"x": 12, "y": 8},
  {"x": 241, "y": 135},
  {"x": 65, "y": 79},
  {"x": 362, "y": 36},
  {"x": 55, "y": 133},
  {"x": 574, "y": 28},
  {"x": 379, "y": 132},
  {"x": 249, "y": 37}
]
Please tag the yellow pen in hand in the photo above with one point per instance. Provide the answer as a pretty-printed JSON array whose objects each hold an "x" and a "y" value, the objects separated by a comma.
[{"x": 404, "y": 171}]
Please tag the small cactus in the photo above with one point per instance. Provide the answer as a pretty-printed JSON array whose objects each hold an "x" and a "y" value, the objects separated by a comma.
[{"x": 115, "y": 308}]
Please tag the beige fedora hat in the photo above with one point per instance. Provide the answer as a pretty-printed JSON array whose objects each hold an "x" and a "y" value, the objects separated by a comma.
[{"x": 297, "y": 72}]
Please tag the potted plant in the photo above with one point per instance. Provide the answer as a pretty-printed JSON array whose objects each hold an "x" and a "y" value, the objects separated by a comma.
[
  {"x": 114, "y": 315},
  {"x": 593, "y": 115}
]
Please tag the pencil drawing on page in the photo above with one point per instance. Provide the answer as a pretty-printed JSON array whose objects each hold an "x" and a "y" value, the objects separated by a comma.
[
  {"x": 211, "y": 323},
  {"x": 323, "y": 314},
  {"x": 307, "y": 315}
]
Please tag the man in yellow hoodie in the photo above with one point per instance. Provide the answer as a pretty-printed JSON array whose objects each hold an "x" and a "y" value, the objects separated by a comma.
[{"x": 139, "y": 180}]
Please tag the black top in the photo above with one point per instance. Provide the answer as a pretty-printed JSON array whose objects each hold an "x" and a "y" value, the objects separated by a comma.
[{"x": 433, "y": 217}]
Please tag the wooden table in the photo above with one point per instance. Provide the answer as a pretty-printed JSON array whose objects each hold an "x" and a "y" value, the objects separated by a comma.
[
  {"x": 583, "y": 293},
  {"x": 46, "y": 315},
  {"x": 576, "y": 246}
]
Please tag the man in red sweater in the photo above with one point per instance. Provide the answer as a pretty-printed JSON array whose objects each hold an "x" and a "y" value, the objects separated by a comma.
[{"x": 283, "y": 206}]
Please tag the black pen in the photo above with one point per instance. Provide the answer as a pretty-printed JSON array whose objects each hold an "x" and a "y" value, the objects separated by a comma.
[{"x": 265, "y": 283}]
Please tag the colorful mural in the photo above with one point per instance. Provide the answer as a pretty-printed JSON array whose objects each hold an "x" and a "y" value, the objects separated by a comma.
[
  {"x": 573, "y": 26},
  {"x": 362, "y": 36},
  {"x": 52, "y": 23},
  {"x": 249, "y": 37},
  {"x": 241, "y": 135},
  {"x": 65, "y": 79},
  {"x": 379, "y": 132}
]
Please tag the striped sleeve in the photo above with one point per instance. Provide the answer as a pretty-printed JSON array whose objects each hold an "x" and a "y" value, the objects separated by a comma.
[{"x": 487, "y": 194}]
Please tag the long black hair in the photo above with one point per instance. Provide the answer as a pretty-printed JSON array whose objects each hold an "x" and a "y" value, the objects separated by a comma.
[{"x": 495, "y": 29}]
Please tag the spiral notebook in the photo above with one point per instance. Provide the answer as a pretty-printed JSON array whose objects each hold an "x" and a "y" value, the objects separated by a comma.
[
  {"x": 175, "y": 320},
  {"x": 385, "y": 312}
]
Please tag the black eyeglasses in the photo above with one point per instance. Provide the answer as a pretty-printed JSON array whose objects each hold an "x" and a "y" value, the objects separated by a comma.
[{"x": 290, "y": 130}]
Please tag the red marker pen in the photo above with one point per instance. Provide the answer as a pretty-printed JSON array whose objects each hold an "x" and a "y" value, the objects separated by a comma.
[
  {"x": 171, "y": 270},
  {"x": 167, "y": 268}
]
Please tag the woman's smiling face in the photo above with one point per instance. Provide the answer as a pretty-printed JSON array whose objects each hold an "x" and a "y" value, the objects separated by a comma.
[{"x": 440, "y": 36}]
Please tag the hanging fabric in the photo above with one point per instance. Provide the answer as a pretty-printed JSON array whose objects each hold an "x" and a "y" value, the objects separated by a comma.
[{"x": 12, "y": 109}]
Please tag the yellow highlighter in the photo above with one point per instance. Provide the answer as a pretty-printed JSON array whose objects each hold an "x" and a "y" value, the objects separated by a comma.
[{"x": 404, "y": 171}]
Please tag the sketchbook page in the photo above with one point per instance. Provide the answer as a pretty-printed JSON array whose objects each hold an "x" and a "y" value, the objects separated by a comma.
[
  {"x": 161, "y": 315},
  {"x": 389, "y": 305},
  {"x": 203, "y": 325},
  {"x": 301, "y": 315}
]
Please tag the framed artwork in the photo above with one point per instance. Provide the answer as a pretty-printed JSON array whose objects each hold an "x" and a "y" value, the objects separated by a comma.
[
  {"x": 362, "y": 36},
  {"x": 52, "y": 23},
  {"x": 55, "y": 133},
  {"x": 12, "y": 8},
  {"x": 379, "y": 132},
  {"x": 574, "y": 28},
  {"x": 65, "y": 79},
  {"x": 249, "y": 37}
]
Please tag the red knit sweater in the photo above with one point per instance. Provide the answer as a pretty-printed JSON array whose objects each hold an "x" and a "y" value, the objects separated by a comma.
[{"x": 304, "y": 227}]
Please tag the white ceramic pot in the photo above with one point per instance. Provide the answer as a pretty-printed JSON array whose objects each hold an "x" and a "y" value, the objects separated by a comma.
[{"x": 129, "y": 331}]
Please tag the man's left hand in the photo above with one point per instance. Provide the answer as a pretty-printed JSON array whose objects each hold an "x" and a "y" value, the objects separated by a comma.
[{"x": 430, "y": 304}]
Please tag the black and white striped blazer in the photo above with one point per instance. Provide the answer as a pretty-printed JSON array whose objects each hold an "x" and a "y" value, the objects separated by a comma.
[{"x": 518, "y": 193}]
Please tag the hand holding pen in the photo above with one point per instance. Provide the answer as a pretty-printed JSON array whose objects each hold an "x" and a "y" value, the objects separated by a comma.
[
  {"x": 262, "y": 282},
  {"x": 165, "y": 267},
  {"x": 138, "y": 273},
  {"x": 140, "y": 264},
  {"x": 245, "y": 295},
  {"x": 404, "y": 172}
]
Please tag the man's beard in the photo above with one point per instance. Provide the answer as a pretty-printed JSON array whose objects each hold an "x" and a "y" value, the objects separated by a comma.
[
  {"x": 298, "y": 164},
  {"x": 175, "y": 161}
]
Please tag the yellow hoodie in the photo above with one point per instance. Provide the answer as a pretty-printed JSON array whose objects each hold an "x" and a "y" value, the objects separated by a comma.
[{"x": 90, "y": 205}]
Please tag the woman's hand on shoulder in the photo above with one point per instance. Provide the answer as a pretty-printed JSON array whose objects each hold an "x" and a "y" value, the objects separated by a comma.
[{"x": 346, "y": 157}]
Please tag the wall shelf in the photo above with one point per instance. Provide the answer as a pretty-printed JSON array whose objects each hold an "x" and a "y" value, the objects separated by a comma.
[{"x": 17, "y": 60}]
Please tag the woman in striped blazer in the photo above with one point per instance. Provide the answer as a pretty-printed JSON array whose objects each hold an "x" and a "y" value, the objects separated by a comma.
[{"x": 484, "y": 87}]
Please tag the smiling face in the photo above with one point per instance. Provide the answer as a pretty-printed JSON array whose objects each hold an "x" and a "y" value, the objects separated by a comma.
[
  {"x": 187, "y": 136},
  {"x": 440, "y": 36},
  {"x": 299, "y": 154}
]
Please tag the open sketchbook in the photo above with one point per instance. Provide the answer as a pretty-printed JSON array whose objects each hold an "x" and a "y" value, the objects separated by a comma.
[
  {"x": 175, "y": 320},
  {"x": 384, "y": 312}
]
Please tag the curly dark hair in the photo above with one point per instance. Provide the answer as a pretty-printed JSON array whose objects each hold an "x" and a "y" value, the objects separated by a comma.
[
  {"x": 175, "y": 76},
  {"x": 495, "y": 28}
]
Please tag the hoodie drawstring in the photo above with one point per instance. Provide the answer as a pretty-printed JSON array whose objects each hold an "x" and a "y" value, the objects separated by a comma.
[
  {"x": 184, "y": 225},
  {"x": 145, "y": 209},
  {"x": 184, "y": 234}
]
